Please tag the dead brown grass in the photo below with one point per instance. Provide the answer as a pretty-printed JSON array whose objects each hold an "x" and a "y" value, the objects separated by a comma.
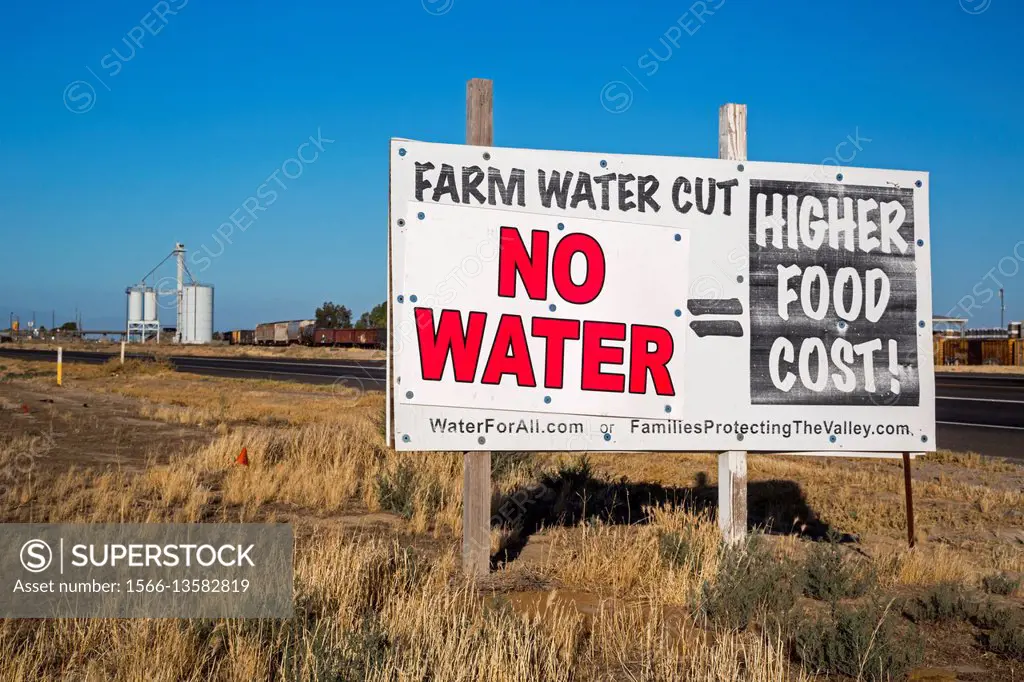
[
  {"x": 391, "y": 605},
  {"x": 979, "y": 369},
  {"x": 383, "y": 613}
]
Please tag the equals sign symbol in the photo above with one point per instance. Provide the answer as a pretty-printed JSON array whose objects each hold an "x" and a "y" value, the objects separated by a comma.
[{"x": 715, "y": 306}]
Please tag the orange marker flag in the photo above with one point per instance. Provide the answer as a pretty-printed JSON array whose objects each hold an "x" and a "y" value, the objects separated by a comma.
[{"x": 243, "y": 458}]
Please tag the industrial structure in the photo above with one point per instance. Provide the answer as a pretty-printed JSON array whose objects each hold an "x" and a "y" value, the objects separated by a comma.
[
  {"x": 193, "y": 302},
  {"x": 143, "y": 322},
  {"x": 955, "y": 344}
]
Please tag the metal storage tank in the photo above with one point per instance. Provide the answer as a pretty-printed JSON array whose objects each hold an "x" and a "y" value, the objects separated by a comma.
[
  {"x": 149, "y": 308},
  {"x": 135, "y": 304},
  {"x": 197, "y": 313}
]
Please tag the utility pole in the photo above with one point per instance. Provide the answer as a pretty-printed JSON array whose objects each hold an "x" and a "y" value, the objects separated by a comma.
[{"x": 1002, "y": 308}]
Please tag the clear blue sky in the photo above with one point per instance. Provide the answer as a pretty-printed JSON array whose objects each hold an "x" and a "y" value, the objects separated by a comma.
[{"x": 180, "y": 133}]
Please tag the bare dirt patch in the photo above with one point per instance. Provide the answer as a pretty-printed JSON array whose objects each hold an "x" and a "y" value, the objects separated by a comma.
[{"x": 83, "y": 428}]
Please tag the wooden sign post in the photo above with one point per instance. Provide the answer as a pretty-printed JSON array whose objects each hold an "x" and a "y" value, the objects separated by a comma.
[
  {"x": 732, "y": 465},
  {"x": 476, "y": 466}
]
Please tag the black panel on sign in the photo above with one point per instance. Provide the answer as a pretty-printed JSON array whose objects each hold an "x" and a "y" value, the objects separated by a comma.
[{"x": 833, "y": 295}]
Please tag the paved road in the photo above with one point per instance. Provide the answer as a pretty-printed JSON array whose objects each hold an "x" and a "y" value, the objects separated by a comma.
[
  {"x": 367, "y": 374},
  {"x": 979, "y": 412}
]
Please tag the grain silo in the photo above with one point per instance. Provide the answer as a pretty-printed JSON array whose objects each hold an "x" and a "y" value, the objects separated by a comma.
[
  {"x": 142, "y": 323},
  {"x": 149, "y": 305},
  {"x": 196, "y": 313},
  {"x": 135, "y": 304},
  {"x": 193, "y": 301}
]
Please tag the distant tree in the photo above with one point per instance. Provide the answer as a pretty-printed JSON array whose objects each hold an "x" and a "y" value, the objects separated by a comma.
[
  {"x": 69, "y": 327},
  {"x": 375, "y": 319},
  {"x": 218, "y": 336},
  {"x": 379, "y": 315},
  {"x": 42, "y": 329},
  {"x": 333, "y": 316}
]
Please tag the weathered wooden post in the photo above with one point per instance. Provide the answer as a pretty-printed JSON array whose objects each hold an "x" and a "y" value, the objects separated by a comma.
[
  {"x": 476, "y": 466},
  {"x": 732, "y": 465}
]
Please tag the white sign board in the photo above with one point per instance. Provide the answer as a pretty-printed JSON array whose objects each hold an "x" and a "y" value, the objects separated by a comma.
[{"x": 567, "y": 301}]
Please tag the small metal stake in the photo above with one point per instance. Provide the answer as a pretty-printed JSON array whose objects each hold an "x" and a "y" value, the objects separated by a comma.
[{"x": 910, "y": 499}]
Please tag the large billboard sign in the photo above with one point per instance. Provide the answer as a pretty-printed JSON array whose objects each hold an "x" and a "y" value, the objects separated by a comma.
[{"x": 545, "y": 300}]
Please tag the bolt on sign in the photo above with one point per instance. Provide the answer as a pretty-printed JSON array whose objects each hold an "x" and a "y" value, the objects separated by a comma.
[{"x": 545, "y": 300}]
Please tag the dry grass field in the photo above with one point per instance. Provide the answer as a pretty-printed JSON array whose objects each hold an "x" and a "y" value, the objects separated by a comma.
[
  {"x": 980, "y": 369},
  {"x": 606, "y": 567}
]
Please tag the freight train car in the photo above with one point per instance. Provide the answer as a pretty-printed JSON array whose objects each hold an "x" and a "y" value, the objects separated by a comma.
[
  {"x": 272, "y": 334},
  {"x": 307, "y": 333},
  {"x": 322, "y": 337},
  {"x": 299, "y": 330},
  {"x": 283, "y": 333},
  {"x": 373, "y": 337},
  {"x": 242, "y": 337},
  {"x": 366, "y": 338}
]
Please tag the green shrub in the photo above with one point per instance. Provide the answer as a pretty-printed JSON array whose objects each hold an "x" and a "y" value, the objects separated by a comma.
[
  {"x": 1007, "y": 639},
  {"x": 674, "y": 548},
  {"x": 1005, "y": 627},
  {"x": 752, "y": 582},
  {"x": 863, "y": 642},
  {"x": 396, "y": 489},
  {"x": 989, "y": 615},
  {"x": 828, "y": 577},
  {"x": 1000, "y": 583},
  {"x": 943, "y": 602}
]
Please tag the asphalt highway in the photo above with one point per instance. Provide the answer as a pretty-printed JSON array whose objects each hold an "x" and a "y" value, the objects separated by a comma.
[
  {"x": 979, "y": 412},
  {"x": 369, "y": 375}
]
